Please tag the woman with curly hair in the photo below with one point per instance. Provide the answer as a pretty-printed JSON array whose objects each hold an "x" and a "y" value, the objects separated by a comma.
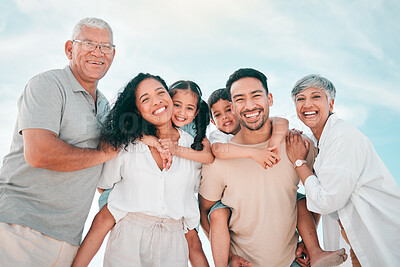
[{"x": 153, "y": 209}]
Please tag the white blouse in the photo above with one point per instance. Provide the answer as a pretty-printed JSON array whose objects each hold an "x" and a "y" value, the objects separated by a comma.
[
  {"x": 140, "y": 185},
  {"x": 353, "y": 181}
]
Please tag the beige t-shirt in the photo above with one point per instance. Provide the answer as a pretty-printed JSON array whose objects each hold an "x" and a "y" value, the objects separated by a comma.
[{"x": 263, "y": 202}]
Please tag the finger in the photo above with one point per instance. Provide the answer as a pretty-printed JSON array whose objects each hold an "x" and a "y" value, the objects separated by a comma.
[
  {"x": 307, "y": 144},
  {"x": 291, "y": 136},
  {"x": 271, "y": 148},
  {"x": 169, "y": 163},
  {"x": 268, "y": 164}
]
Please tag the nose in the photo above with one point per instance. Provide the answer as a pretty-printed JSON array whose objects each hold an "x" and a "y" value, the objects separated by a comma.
[
  {"x": 250, "y": 104},
  {"x": 308, "y": 102},
  {"x": 97, "y": 51},
  {"x": 156, "y": 100}
]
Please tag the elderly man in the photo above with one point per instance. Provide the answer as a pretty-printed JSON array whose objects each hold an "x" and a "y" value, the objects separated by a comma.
[
  {"x": 49, "y": 177},
  {"x": 264, "y": 214}
]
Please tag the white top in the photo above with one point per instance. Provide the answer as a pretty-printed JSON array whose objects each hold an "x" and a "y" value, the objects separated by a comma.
[
  {"x": 140, "y": 185},
  {"x": 352, "y": 180},
  {"x": 218, "y": 136}
]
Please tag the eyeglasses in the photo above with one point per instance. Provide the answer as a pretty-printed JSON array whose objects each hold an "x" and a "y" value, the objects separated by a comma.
[{"x": 90, "y": 46}]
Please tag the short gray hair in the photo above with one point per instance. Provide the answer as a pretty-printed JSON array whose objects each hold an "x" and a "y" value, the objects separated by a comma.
[
  {"x": 314, "y": 81},
  {"x": 93, "y": 23}
]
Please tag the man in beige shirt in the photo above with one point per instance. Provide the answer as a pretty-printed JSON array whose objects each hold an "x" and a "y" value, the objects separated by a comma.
[{"x": 263, "y": 202}]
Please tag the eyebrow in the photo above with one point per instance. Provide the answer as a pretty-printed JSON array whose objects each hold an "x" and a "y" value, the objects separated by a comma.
[{"x": 157, "y": 89}]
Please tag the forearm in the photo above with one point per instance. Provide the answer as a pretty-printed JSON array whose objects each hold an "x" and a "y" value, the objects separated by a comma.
[
  {"x": 45, "y": 150},
  {"x": 205, "y": 156},
  {"x": 230, "y": 151},
  {"x": 279, "y": 127},
  {"x": 304, "y": 172},
  {"x": 205, "y": 207}
]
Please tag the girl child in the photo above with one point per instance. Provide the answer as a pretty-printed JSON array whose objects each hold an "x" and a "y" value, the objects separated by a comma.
[{"x": 143, "y": 114}]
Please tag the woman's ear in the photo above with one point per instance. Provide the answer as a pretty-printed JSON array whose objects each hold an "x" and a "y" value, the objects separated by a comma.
[{"x": 331, "y": 105}]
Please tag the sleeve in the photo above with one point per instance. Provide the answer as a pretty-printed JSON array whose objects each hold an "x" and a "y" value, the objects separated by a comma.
[
  {"x": 111, "y": 173},
  {"x": 41, "y": 105},
  {"x": 312, "y": 153},
  {"x": 335, "y": 180},
  {"x": 218, "y": 137},
  {"x": 212, "y": 183}
]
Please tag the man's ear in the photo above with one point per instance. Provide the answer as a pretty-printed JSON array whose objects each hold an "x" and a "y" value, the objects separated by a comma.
[
  {"x": 68, "y": 49},
  {"x": 270, "y": 99}
]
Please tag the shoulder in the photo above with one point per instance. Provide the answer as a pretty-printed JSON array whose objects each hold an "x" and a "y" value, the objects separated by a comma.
[
  {"x": 343, "y": 132},
  {"x": 220, "y": 137},
  {"x": 185, "y": 139},
  {"x": 46, "y": 80}
]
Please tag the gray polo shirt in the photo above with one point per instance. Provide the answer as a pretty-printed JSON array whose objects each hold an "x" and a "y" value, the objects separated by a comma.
[{"x": 53, "y": 203}]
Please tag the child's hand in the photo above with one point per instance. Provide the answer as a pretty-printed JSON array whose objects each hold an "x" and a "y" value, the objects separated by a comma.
[
  {"x": 265, "y": 157},
  {"x": 168, "y": 144},
  {"x": 152, "y": 141},
  {"x": 166, "y": 157},
  {"x": 274, "y": 148}
]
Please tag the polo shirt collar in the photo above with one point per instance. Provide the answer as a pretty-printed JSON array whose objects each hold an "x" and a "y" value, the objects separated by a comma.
[{"x": 76, "y": 86}]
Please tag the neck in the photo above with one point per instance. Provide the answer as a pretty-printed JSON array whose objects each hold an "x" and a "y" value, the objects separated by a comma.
[
  {"x": 250, "y": 137},
  {"x": 166, "y": 131},
  {"x": 89, "y": 86}
]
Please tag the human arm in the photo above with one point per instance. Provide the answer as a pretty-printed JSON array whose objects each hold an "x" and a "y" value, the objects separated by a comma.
[
  {"x": 337, "y": 173},
  {"x": 204, "y": 156},
  {"x": 263, "y": 156},
  {"x": 43, "y": 149},
  {"x": 197, "y": 257},
  {"x": 279, "y": 131},
  {"x": 205, "y": 207}
]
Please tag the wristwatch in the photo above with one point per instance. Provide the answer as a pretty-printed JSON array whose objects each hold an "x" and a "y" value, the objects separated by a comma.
[{"x": 299, "y": 162}]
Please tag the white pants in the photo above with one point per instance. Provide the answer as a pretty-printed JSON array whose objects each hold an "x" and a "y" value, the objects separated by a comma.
[
  {"x": 23, "y": 246},
  {"x": 143, "y": 240}
]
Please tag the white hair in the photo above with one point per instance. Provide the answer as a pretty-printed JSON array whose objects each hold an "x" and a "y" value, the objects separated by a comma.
[
  {"x": 93, "y": 23},
  {"x": 314, "y": 81}
]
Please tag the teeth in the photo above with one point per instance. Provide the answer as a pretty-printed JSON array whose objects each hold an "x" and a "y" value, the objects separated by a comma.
[
  {"x": 227, "y": 123},
  {"x": 159, "y": 110},
  {"x": 180, "y": 119},
  {"x": 310, "y": 113},
  {"x": 97, "y": 63},
  {"x": 252, "y": 115}
]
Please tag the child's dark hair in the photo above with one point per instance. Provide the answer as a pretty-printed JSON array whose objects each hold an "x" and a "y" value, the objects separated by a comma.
[
  {"x": 244, "y": 73},
  {"x": 216, "y": 96},
  {"x": 202, "y": 118},
  {"x": 124, "y": 124}
]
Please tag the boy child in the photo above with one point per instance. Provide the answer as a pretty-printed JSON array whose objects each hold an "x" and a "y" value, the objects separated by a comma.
[{"x": 227, "y": 126}]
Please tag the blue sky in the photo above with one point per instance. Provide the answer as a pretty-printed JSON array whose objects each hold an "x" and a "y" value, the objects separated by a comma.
[{"x": 355, "y": 44}]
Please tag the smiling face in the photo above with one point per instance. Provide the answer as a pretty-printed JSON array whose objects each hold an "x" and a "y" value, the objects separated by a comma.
[
  {"x": 153, "y": 102},
  {"x": 313, "y": 108},
  {"x": 250, "y": 102},
  {"x": 185, "y": 107},
  {"x": 223, "y": 117},
  {"x": 89, "y": 67}
]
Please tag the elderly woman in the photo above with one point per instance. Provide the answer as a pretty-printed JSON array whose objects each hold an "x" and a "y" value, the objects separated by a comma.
[{"x": 349, "y": 181}]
